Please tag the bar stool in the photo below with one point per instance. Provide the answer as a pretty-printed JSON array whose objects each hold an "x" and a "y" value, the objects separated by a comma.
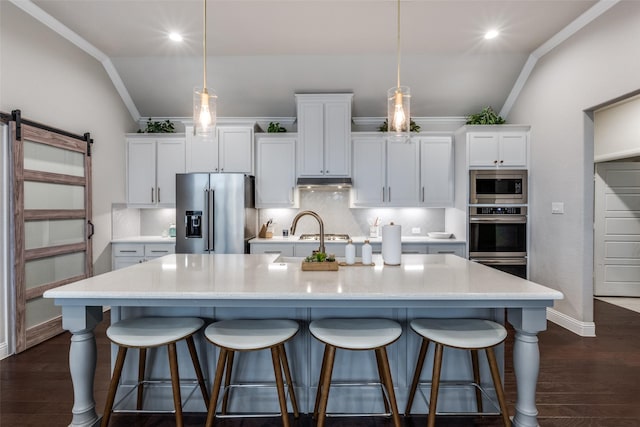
[
  {"x": 466, "y": 334},
  {"x": 355, "y": 334},
  {"x": 150, "y": 332},
  {"x": 252, "y": 335}
]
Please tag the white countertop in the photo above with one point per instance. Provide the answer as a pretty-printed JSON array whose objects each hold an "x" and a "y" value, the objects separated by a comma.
[
  {"x": 144, "y": 239},
  {"x": 355, "y": 239},
  {"x": 258, "y": 277}
]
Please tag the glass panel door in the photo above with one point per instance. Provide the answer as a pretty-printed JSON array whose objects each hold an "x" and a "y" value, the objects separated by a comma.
[{"x": 52, "y": 198}]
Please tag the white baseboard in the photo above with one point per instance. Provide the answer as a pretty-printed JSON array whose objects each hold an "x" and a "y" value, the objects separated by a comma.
[
  {"x": 584, "y": 329},
  {"x": 4, "y": 350}
]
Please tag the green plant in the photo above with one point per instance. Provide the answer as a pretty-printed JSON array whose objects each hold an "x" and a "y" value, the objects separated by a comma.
[
  {"x": 485, "y": 117},
  {"x": 275, "y": 127},
  {"x": 320, "y": 257},
  {"x": 412, "y": 126},
  {"x": 158, "y": 127}
]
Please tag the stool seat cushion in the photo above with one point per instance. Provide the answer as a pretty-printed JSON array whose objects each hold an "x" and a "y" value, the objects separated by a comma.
[
  {"x": 356, "y": 334},
  {"x": 153, "y": 331},
  {"x": 250, "y": 334},
  {"x": 461, "y": 333}
]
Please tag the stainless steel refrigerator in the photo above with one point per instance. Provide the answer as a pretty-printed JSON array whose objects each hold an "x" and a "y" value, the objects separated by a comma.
[{"x": 215, "y": 213}]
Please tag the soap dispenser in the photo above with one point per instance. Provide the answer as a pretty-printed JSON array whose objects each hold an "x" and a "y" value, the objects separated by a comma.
[
  {"x": 367, "y": 253},
  {"x": 350, "y": 253},
  {"x": 172, "y": 230}
]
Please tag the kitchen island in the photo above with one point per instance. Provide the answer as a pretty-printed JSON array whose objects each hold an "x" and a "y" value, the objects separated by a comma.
[{"x": 231, "y": 286}]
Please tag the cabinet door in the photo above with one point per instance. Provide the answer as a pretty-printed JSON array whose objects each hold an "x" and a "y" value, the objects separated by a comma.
[
  {"x": 201, "y": 152},
  {"x": 170, "y": 161},
  {"x": 275, "y": 173},
  {"x": 448, "y": 248},
  {"x": 337, "y": 139},
  {"x": 141, "y": 171},
  {"x": 436, "y": 172},
  {"x": 513, "y": 149},
  {"x": 368, "y": 172},
  {"x": 311, "y": 139},
  {"x": 284, "y": 249},
  {"x": 403, "y": 178},
  {"x": 126, "y": 261},
  {"x": 483, "y": 149},
  {"x": 235, "y": 149}
]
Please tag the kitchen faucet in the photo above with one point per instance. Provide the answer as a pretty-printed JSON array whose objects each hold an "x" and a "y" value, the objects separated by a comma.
[{"x": 320, "y": 223}]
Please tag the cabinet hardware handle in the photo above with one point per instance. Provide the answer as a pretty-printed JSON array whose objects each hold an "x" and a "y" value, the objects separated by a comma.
[
  {"x": 221, "y": 169},
  {"x": 501, "y": 161},
  {"x": 383, "y": 194},
  {"x": 321, "y": 171},
  {"x": 495, "y": 162},
  {"x": 389, "y": 194},
  {"x": 327, "y": 171},
  {"x": 422, "y": 194},
  {"x": 152, "y": 201},
  {"x": 127, "y": 251},
  {"x": 159, "y": 252},
  {"x": 446, "y": 252},
  {"x": 158, "y": 194},
  {"x": 272, "y": 252}
]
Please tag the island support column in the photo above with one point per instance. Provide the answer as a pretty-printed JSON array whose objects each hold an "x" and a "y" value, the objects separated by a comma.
[
  {"x": 81, "y": 321},
  {"x": 526, "y": 361}
]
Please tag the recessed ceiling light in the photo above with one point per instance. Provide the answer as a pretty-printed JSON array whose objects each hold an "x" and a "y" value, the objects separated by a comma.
[
  {"x": 175, "y": 37},
  {"x": 491, "y": 34}
]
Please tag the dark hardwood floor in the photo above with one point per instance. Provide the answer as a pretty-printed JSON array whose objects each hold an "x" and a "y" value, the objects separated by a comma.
[{"x": 586, "y": 382}]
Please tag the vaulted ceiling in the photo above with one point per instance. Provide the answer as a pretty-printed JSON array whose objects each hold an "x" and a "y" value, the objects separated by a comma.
[{"x": 261, "y": 52}]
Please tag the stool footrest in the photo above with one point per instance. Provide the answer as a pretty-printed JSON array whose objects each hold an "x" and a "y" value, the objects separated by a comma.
[
  {"x": 461, "y": 384},
  {"x": 190, "y": 387},
  {"x": 376, "y": 384}
]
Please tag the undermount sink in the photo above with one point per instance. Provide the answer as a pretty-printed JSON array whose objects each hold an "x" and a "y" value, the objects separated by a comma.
[{"x": 289, "y": 259}]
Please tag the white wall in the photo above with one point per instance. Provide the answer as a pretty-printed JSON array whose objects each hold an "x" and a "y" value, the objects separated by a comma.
[
  {"x": 598, "y": 64},
  {"x": 617, "y": 130},
  {"x": 53, "y": 82}
]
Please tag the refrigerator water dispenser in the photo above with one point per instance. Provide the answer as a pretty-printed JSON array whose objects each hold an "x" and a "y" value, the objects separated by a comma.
[{"x": 193, "y": 222}]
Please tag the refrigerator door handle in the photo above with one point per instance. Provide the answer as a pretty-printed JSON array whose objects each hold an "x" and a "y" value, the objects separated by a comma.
[
  {"x": 211, "y": 219},
  {"x": 206, "y": 218}
]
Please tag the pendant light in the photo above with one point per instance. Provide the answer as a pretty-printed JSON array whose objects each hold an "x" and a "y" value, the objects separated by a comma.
[
  {"x": 204, "y": 101},
  {"x": 398, "y": 98}
]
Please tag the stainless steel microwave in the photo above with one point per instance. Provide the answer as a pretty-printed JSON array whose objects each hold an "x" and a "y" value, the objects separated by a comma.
[{"x": 498, "y": 186}]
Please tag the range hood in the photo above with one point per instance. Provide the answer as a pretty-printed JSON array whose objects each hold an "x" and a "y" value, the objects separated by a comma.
[{"x": 325, "y": 182}]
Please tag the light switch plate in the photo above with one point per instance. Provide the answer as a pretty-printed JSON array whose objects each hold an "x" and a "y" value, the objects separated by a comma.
[
  {"x": 557, "y": 207},
  {"x": 415, "y": 230}
]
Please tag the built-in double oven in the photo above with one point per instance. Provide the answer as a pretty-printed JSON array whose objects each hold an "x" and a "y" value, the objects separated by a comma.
[{"x": 498, "y": 220}]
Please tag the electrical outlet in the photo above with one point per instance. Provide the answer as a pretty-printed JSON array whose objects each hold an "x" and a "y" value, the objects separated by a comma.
[
  {"x": 415, "y": 230},
  {"x": 557, "y": 207}
]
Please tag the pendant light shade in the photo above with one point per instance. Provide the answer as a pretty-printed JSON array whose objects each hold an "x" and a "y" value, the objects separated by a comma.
[
  {"x": 398, "y": 101},
  {"x": 204, "y": 100}
]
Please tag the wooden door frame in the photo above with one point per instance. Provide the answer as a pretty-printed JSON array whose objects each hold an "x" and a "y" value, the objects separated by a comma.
[{"x": 28, "y": 337}]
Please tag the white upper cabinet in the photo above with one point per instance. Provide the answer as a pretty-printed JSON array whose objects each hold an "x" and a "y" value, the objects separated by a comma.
[
  {"x": 403, "y": 173},
  {"x": 385, "y": 173},
  {"x": 324, "y": 134},
  {"x": 369, "y": 171},
  {"x": 152, "y": 164},
  {"x": 231, "y": 150},
  {"x": 275, "y": 171},
  {"x": 436, "y": 171},
  {"x": 497, "y": 148}
]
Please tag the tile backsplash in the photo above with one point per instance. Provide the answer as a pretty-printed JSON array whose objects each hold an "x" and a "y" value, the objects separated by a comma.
[
  {"x": 331, "y": 205},
  {"x": 338, "y": 217}
]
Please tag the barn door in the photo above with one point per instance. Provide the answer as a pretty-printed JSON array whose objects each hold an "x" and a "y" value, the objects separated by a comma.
[
  {"x": 52, "y": 217},
  {"x": 617, "y": 230}
]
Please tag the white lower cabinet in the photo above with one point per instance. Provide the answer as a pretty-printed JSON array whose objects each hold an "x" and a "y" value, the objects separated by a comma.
[
  {"x": 459, "y": 249},
  {"x": 303, "y": 249},
  {"x": 284, "y": 249},
  {"x": 126, "y": 254}
]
